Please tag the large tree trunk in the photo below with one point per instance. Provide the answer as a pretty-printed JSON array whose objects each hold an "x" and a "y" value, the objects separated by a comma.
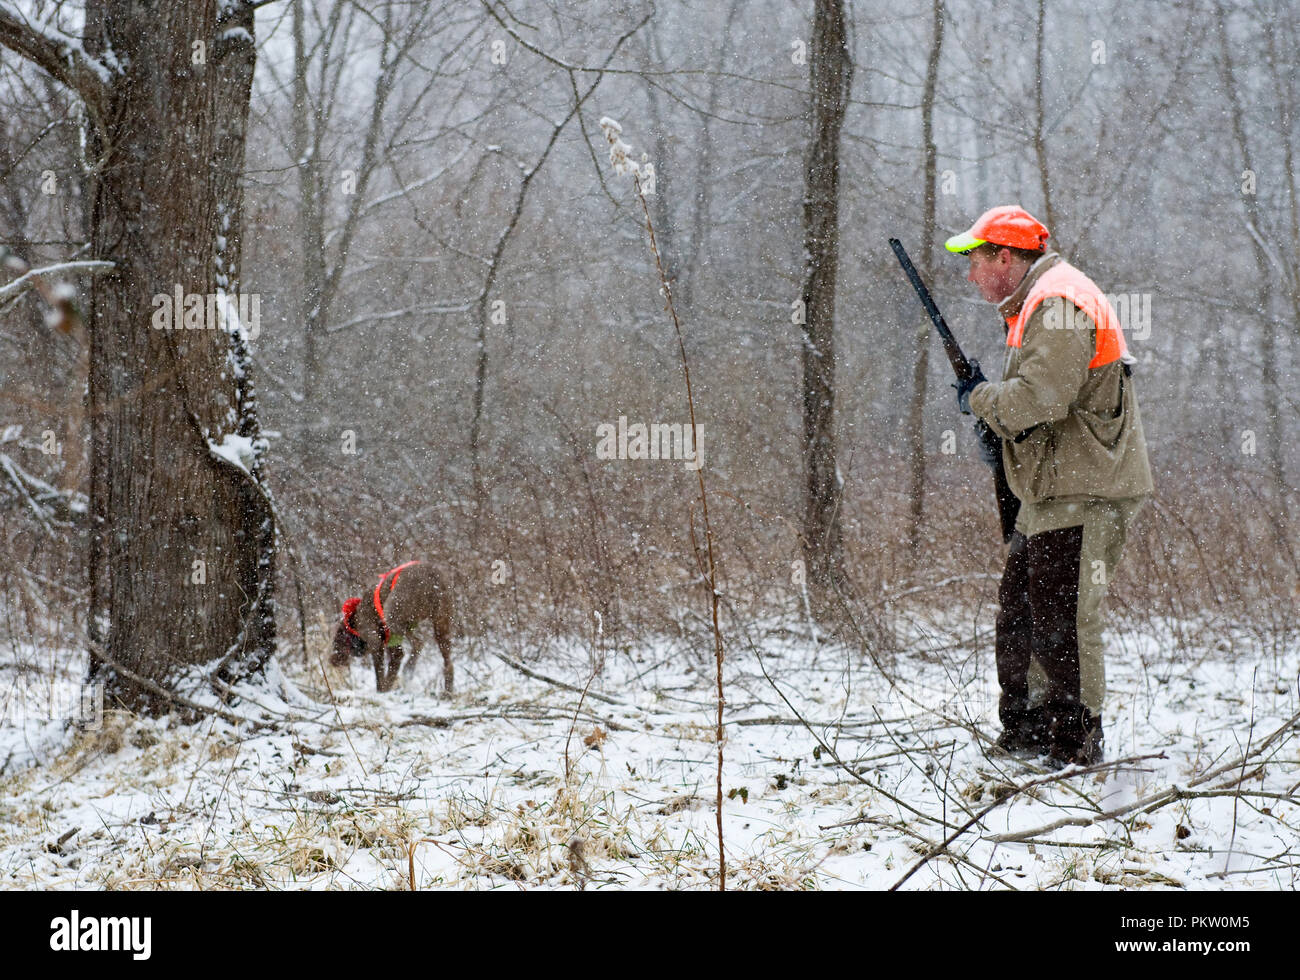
[
  {"x": 831, "y": 74},
  {"x": 181, "y": 562}
]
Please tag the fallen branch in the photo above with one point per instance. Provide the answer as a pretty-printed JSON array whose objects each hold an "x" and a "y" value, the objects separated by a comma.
[
  {"x": 1155, "y": 800},
  {"x": 1248, "y": 871},
  {"x": 535, "y": 675},
  {"x": 155, "y": 688},
  {"x": 910, "y": 831},
  {"x": 1017, "y": 791},
  {"x": 846, "y": 723},
  {"x": 829, "y": 750}
]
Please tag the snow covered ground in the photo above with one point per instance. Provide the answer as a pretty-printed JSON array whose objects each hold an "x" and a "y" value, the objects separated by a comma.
[{"x": 510, "y": 784}]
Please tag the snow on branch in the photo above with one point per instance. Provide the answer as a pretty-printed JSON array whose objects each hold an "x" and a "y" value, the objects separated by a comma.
[
  {"x": 18, "y": 479},
  {"x": 239, "y": 451},
  {"x": 62, "y": 313},
  {"x": 434, "y": 310},
  {"x": 29, "y": 278},
  {"x": 47, "y": 503},
  {"x": 422, "y": 182},
  {"x": 59, "y": 54}
]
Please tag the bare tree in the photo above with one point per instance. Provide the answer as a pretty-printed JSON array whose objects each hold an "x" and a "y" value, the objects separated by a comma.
[
  {"x": 921, "y": 368},
  {"x": 529, "y": 173},
  {"x": 1040, "y": 122},
  {"x": 1263, "y": 268},
  {"x": 41, "y": 140},
  {"x": 322, "y": 277},
  {"x": 309, "y": 117},
  {"x": 831, "y": 77},
  {"x": 704, "y": 176}
]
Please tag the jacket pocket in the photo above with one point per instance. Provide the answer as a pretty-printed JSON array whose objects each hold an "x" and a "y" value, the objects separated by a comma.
[
  {"x": 1107, "y": 428},
  {"x": 1034, "y": 464}
]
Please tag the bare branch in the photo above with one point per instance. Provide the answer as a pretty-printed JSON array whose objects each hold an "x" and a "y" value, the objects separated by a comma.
[{"x": 58, "y": 54}]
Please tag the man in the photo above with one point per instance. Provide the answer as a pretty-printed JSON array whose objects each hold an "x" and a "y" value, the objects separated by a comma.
[{"x": 1074, "y": 453}]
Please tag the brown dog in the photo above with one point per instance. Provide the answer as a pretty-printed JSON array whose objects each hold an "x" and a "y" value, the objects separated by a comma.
[{"x": 377, "y": 624}]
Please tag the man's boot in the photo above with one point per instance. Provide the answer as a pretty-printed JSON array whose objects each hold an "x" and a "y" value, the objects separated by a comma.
[
  {"x": 1024, "y": 727},
  {"x": 1076, "y": 735}
]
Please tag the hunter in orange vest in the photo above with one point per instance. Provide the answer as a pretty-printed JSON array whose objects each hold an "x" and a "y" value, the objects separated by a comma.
[{"x": 1075, "y": 455}]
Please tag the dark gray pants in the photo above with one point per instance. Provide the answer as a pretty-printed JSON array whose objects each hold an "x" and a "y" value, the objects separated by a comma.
[{"x": 1059, "y": 567}]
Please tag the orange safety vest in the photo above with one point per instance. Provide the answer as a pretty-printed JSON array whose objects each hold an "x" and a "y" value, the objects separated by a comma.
[{"x": 1066, "y": 281}]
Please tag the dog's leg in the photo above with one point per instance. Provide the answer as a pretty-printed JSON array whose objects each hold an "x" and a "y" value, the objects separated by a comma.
[
  {"x": 387, "y": 663},
  {"x": 442, "y": 633},
  {"x": 416, "y": 646},
  {"x": 395, "y": 655}
]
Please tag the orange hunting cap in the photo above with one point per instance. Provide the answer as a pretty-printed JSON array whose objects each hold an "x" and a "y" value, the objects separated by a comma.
[{"x": 1007, "y": 225}]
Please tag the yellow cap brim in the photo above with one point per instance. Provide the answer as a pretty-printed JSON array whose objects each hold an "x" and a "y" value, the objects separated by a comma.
[{"x": 963, "y": 243}]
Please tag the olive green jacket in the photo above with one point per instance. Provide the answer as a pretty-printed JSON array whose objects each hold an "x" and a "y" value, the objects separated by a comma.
[{"x": 1068, "y": 432}]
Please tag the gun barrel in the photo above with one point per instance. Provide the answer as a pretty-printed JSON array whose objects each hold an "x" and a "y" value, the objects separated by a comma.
[
  {"x": 960, "y": 363},
  {"x": 1008, "y": 503}
]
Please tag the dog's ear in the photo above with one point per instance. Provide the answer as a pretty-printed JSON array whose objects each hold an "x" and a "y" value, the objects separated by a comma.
[
  {"x": 347, "y": 643},
  {"x": 341, "y": 648}
]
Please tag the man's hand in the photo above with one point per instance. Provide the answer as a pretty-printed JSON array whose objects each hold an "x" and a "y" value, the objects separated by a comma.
[
  {"x": 964, "y": 388},
  {"x": 988, "y": 444}
]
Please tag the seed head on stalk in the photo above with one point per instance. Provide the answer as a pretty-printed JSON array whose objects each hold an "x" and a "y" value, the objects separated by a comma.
[{"x": 620, "y": 153}]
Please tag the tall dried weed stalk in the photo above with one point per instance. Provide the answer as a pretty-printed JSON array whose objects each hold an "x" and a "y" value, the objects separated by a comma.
[{"x": 618, "y": 154}]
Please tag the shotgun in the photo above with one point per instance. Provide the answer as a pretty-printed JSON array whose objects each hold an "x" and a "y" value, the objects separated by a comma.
[{"x": 1008, "y": 502}]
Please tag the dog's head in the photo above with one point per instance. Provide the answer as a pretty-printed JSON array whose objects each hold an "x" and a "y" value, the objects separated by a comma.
[{"x": 348, "y": 642}]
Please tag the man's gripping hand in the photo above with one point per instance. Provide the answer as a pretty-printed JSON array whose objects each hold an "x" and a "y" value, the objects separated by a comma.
[{"x": 965, "y": 387}]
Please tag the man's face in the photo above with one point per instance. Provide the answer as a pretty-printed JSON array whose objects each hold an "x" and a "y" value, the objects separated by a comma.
[{"x": 997, "y": 276}]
